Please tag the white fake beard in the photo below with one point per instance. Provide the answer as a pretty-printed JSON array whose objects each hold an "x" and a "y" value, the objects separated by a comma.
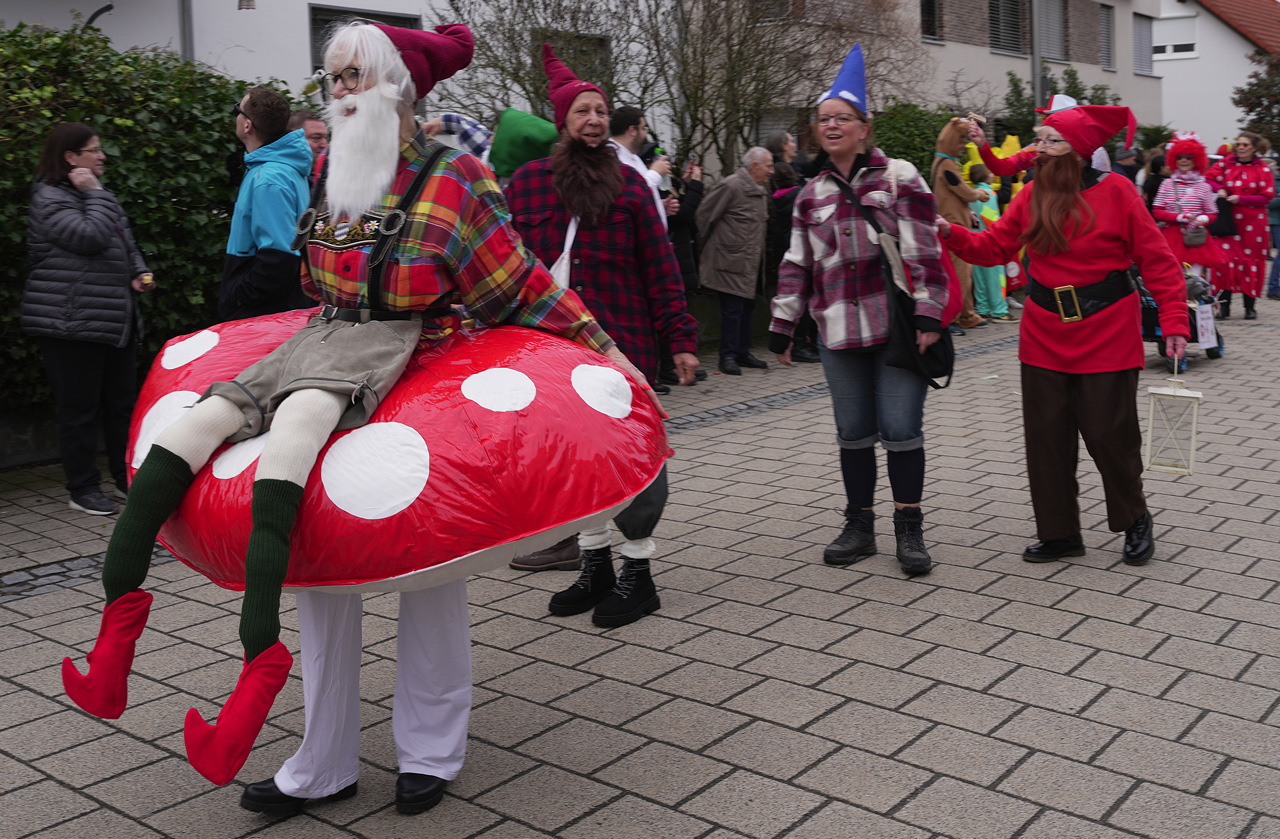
[{"x": 363, "y": 152}]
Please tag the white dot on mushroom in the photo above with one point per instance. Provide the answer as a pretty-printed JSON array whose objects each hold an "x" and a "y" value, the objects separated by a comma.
[
  {"x": 500, "y": 389},
  {"x": 188, "y": 349},
  {"x": 167, "y": 410},
  {"x": 377, "y": 470},
  {"x": 604, "y": 389}
]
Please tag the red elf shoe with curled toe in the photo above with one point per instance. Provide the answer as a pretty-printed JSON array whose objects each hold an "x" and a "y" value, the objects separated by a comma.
[
  {"x": 104, "y": 690},
  {"x": 218, "y": 751}
]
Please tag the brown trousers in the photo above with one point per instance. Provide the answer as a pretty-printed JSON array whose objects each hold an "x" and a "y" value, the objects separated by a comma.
[
  {"x": 1057, "y": 410},
  {"x": 968, "y": 314}
]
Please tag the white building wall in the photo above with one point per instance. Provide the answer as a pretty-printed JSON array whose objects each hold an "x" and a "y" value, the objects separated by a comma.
[{"x": 1198, "y": 85}]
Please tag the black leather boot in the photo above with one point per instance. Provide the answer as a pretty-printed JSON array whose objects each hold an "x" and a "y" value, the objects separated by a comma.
[
  {"x": 593, "y": 584},
  {"x": 857, "y": 540},
  {"x": 1140, "y": 541},
  {"x": 633, "y": 597},
  {"x": 908, "y": 529},
  {"x": 1051, "y": 549}
]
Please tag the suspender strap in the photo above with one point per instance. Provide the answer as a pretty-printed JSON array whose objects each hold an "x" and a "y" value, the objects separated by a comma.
[
  {"x": 392, "y": 223},
  {"x": 308, "y": 219}
]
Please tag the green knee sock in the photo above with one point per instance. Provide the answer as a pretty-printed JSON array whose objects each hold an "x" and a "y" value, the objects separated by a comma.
[
  {"x": 275, "y": 509},
  {"x": 155, "y": 493}
]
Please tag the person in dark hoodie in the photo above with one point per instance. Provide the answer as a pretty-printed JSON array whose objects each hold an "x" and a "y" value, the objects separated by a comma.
[{"x": 260, "y": 274}]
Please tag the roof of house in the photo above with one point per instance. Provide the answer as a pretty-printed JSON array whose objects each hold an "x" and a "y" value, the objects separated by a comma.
[{"x": 1257, "y": 21}]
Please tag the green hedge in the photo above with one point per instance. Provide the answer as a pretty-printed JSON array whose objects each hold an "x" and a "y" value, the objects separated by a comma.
[
  {"x": 168, "y": 130},
  {"x": 905, "y": 130}
]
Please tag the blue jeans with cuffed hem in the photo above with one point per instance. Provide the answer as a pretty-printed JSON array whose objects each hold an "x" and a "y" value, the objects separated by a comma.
[{"x": 874, "y": 402}]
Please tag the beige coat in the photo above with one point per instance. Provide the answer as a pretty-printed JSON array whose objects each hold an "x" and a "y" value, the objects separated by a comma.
[{"x": 731, "y": 226}]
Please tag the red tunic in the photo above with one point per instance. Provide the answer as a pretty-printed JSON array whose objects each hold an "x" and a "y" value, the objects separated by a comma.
[
  {"x": 1122, "y": 232},
  {"x": 1245, "y": 254}
]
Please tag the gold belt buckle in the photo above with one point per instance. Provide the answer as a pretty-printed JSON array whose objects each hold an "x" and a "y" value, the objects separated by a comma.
[{"x": 1075, "y": 303}]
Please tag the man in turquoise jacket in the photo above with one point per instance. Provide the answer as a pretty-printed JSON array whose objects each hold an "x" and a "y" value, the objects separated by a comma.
[{"x": 260, "y": 275}]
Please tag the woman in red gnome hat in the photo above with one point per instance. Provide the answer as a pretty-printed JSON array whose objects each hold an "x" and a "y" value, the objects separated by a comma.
[
  {"x": 1184, "y": 205},
  {"x": 1245, "y": 180},
  {"x": 1080, "y": 347}
]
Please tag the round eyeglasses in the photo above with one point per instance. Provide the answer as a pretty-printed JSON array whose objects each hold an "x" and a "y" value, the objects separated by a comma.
[{"x": 350, "y": 78}]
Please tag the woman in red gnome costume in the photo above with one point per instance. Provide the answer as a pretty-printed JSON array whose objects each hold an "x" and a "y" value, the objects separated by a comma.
[
  {"x": 454, "y": 243},
  {"x": 1185, "y": 202},
  {"x": 1245, "y": 180},
  {"x": 1081, "y": 348}
]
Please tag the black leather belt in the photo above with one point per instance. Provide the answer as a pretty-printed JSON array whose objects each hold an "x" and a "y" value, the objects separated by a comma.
[
  {"x": 366, "y": 315},
  {"x": 1073, "y": 303}
]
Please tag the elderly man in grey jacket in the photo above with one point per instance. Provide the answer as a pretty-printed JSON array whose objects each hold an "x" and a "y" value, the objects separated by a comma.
[{"x": 731, "y": 224}]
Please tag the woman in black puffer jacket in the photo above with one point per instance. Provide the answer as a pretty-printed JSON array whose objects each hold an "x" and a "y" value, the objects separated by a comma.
[{"x": 79, "y": 305}]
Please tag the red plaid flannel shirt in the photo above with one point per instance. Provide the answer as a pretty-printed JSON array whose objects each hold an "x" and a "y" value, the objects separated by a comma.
[{"x": 624, "y": 269}]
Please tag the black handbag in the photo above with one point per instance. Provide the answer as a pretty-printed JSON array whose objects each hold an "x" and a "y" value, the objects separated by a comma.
[
  {"x": 1225, "y": 223},
  {"x": 939, "y": 358}
]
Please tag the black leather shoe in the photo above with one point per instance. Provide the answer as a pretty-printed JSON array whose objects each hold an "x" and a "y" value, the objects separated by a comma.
[
  {"x": 1250, "y": 314},
  {"x": 668, "y": 377},
  {"x": 805, "y": 355},
  {"x": 417, "y": 793},
  {"x": 1139, "y": 541},
  {"x": 1051, "y": 549},
  {"x": 729, "y": 366},
  {"x": 266, "y": 797},
  {"x": 661, "y": 389},
  {"x": 749, "y": 360},
  {"x": 700, "y": 375}
]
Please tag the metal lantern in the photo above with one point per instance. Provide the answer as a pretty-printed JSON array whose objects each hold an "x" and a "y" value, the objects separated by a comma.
[{"x": 1170, "y": 444}]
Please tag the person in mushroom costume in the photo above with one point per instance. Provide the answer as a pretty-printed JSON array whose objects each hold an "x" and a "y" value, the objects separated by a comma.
[
  {"x": 583, "y": 206},
  {"x": 399, "y": 229}
]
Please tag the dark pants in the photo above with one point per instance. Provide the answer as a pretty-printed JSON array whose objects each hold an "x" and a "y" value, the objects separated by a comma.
[
  {"x": 91, "y": 383},
  {"x": 1057, "y": 410},
  {"x": 639, "y": 520},
  {"x": 735, "y": 324}
]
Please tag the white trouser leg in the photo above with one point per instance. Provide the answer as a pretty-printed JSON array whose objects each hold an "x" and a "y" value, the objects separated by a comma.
[
  {"x": 433, "y": 681},
  {"x": 329, "y": 758}
]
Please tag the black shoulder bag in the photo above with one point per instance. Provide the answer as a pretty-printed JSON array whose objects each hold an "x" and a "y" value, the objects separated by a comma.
[{"x": 939, "y": 358}]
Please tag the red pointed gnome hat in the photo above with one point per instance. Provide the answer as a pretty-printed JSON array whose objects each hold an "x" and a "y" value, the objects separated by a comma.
[
  {"x": 1087, "y": 127},
  {"x": 432, "y": 56},
  {"x": 563, "y": 86}
]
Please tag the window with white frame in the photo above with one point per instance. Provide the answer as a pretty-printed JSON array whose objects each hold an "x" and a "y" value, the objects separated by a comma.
[
  {"x": 1173, "y": 37},
  {"x": 1142, "y": 45},
  {"x": 1107, "y": 36}
]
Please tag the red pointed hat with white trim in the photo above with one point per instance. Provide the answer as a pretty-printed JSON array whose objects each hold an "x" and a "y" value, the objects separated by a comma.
[{"x": 1088, "y": 127}]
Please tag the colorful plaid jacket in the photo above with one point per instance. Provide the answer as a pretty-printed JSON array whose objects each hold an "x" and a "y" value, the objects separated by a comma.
[
  {"x": 832, "y": 266},
  {"x": 624, "y": 269},
  {"x": 457, "y": 246}
]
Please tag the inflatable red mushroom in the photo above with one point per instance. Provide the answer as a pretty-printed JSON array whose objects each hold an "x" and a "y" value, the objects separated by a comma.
[{"x": 492, "y": 444}]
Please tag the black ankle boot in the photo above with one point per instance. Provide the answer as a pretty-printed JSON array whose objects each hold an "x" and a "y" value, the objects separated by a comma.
[
  {"x": 908, "y": 529},
  {"x": 633, "y": 597},
  {"x": 857, "y": 540},
  {"x": 1224, "y": 310},
  {"x": 593, "y": 584},
  {"x": 1250, "y": 313}
]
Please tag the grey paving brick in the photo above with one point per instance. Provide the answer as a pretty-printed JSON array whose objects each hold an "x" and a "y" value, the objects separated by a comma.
[
  {"x": 663, "y": 773},
  {"x": 962, "y": 708},
  {"x": 1196, "y": 625},
  {"x": 1229, "y": 697},
  {"x": 1036, "y": 620},
  {"x": 965, "y": 811},
  {"x": 959, "y": 667},
  {"x": 41, "y": 806},
  {"x": 1046, "y": 653},
  {"x": 784, "y": 703},
  {"x": 1162, "y": 813},
  {"x": 886, "y": 617},
  {"x": 1160, "y": 761},
  {"x": 839, "y": 819},
  {"x": 1054, "y": 825},
  {"x": 704, "y": 682},
  {"x": 1058, "y": 734},
  {"x": 771, "y": 750},
  {"x": 877, "y": 685},
  {"x": 1046, "y": 689},
  {"x": 810, "y": 633},
  {"x": 687, "y": 724},
  {"x": 1136, "y": 712},
  {"x": 1213, "y": 659},
  {"x": 864, "y": 779},
  {"x": 791, "y": 664},
  {"x": 1236, "y": 737},
  {"x": 868, "y": 727},
  {"x": 1126, "y": 672},
  {"x": 1244, "y": 784},
  {"x": 973, "y": 636},
  {"x": 722, "y": 648},
  {"x": 1067, "y": 785},
  {"x": 634, "y": 664},
  {"x": 634, "y": 818},
  {"x": 962, "y": 754},
  {"x": 546, "y": 798},
  {"x": 752, "y": 805}
]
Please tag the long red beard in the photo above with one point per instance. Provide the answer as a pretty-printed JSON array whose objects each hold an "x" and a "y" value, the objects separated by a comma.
[
  {"x": 364, "y": 151},
  {"x": 1057, "y": 210},
  {"x": 588, "y": 180}
]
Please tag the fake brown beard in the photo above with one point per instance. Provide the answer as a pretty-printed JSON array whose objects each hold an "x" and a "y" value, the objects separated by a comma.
[
  {"x": 1057, "y": 210},
  {"x": 588, "y": 180}
]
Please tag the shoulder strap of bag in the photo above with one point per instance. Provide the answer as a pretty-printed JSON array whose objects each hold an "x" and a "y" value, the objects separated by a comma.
[
  {"x": 393, "y": 222},
  {"x": 887, "y": 241}
]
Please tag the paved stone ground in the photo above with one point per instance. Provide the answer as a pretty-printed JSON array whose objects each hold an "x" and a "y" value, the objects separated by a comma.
[{"x": 772, "y": 696}]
